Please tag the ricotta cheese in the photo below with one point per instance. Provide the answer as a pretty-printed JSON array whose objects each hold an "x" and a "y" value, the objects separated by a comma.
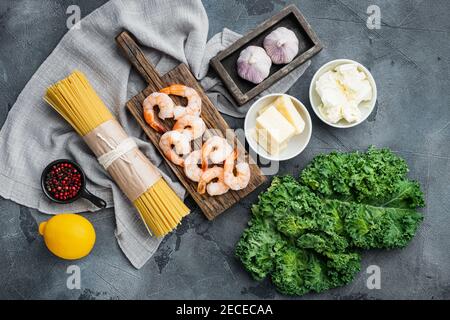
[{"x": 341, "y": 91}]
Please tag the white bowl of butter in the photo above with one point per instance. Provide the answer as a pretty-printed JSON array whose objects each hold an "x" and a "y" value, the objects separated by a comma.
[
  {"x": 278, "y": 127},
  {"x": 343, "y": 93}
]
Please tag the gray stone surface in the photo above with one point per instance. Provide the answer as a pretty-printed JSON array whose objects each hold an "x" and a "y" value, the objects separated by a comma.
[{"x": 410, "y": 60}]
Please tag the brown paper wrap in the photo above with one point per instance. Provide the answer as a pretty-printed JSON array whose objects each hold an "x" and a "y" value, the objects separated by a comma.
[{"x": 133, "y": 172}]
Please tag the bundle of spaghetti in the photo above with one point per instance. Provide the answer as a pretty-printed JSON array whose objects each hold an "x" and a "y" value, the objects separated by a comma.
[{"x": 78, "y": 103}]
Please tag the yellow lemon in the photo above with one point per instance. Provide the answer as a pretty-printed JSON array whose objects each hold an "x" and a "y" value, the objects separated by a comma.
[{"x": 68, "y": 236}]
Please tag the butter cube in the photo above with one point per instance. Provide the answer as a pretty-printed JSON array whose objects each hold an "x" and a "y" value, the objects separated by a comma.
[
  {"x": 286, "y": 107},
  {"x": 279, "y": 130},
  {"x": 261, "y": 137},
  {"x": 264, "y": 109},
  {"x": 272, "y": 130}
]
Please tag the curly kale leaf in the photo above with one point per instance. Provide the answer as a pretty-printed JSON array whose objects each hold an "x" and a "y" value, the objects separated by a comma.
[
  {"x": 258, "y": 246},
  {"x": 298, "y": 272},
  {"x": 372, "y": 177},
  {"x": 305, "y": 234},
  {"x": 277, "y": 196},
  {"x": 371, "y": 227},
  {"x": 370, "y": 193},
  {"x": 323, "y": 243},
  {"x": 343, "y": 267}
]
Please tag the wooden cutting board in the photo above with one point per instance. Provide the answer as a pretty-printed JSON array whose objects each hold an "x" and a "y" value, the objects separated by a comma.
[{"x": 211, "y": 206}]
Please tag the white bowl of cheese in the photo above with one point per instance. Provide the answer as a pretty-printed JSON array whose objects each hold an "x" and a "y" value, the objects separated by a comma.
[
  {"x": 278, "y": 127},
  {"x": 351, "y": 114}
]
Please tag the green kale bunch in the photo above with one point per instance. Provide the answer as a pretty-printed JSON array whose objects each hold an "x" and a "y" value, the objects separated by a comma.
[{"x": 306, "y": 234}]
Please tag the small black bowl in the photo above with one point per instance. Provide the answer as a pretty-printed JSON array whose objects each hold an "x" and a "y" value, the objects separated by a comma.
[{"x": 83, "y": 193}]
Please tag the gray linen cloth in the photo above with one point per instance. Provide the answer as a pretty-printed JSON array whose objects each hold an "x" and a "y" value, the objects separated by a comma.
[{"x": 171, "y": 31}]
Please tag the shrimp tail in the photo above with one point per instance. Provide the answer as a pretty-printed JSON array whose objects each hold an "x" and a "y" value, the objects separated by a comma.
[
  {"x": 201, "y": 188},
  {"x": 204, "y": 163},
  {"x": 158, "y": 127},
  {"x": 154, "y": 124},
  {"x": 175, "y": 89},
  {"x": 166, "y": 90},
  {"x": 204, "y": 159}
]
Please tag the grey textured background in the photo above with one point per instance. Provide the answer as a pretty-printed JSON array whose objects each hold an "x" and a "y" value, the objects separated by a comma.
[{"x": 409, "y": 57}]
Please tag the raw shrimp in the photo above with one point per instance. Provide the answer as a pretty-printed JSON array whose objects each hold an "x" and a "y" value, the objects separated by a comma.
[
  {"x": 216, "y": 149},
  {"x": 194, "y": 106},
  {"x": 191, "y": 126},
  {"x": 175, "y": 145},
  {"x": 166, "y": 108},
  {"x": 242, "y": 178},
  {"x": 191, "y": 166},
  {"x": 215, "y": 188}
]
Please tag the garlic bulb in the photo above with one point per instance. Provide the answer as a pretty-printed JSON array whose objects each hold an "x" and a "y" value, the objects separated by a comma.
[
  {"x": 254, "y": 64},
  {"x": 281, "y": 45}
]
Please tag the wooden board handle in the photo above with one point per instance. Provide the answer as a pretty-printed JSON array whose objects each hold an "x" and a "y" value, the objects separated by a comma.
[{"x": 134, "y": 53}]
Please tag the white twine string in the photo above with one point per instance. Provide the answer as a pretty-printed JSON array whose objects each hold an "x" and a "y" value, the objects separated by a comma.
[{"x": 117, "y": 152}]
